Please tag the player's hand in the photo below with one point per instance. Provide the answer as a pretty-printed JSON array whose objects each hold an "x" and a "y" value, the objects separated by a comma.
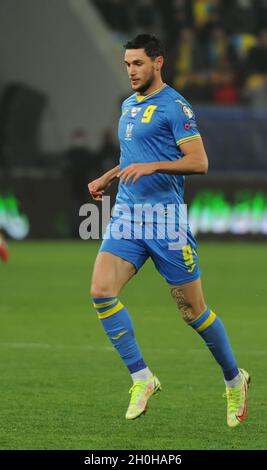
[
  {"x": 98, "y": 187},
  {"x": 135, "y": 170}
]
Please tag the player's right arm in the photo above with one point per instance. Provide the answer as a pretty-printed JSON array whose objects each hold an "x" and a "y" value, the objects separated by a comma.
[{"x": 98, "y": 187}]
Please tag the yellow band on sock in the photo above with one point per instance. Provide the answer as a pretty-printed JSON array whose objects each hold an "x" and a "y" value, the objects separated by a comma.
[
  {"x": 105, "y": 304},
  {"x": 207, "y": 322},
  {"x": 111, "y": 311}
]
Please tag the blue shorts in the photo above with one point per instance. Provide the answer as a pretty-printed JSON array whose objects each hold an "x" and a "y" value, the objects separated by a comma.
[{"x": 177, "y": 266}]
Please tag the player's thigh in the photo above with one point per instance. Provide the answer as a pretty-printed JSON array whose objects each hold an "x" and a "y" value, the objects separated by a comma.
[
  {"x": 189, "y": 298},
  {"x": 180, "y": 268},
  {"x": 177, "y": 265},
  {"x": 110, "y": 274}
]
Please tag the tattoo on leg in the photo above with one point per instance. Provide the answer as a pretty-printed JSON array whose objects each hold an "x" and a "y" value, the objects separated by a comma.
[{"x": 181, "y": 303}]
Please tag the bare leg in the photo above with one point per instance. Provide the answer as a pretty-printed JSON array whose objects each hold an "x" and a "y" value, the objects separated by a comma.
[
  {"x": 190, "y": 301},
  {"x": 110, "y": 274}
]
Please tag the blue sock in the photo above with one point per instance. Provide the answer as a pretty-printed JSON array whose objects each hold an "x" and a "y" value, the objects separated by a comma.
[
  {"x": 211, "y": 329},
  {"x": 118, "y": 326}
]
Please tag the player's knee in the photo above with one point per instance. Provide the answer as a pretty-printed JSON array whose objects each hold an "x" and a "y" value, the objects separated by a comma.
[
  {"x": 187, "y": 312},
  {"x": 101, "y": 290}
]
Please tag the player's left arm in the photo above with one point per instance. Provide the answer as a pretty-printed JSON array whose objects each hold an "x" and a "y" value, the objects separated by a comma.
[{"x": 194, "y": 161}]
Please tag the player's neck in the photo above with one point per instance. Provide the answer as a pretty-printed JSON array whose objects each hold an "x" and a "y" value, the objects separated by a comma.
[{"x": 155, "y": 86}]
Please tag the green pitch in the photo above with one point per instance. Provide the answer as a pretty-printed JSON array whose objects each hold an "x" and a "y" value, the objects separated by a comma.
[{"x": 62, "y": 385}]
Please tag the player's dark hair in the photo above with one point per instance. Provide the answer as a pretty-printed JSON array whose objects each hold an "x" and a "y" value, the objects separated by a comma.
[{"x": 150, "y": 44}]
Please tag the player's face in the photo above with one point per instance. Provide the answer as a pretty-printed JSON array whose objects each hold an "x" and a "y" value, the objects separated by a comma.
[{"x": 141, "y": 69}]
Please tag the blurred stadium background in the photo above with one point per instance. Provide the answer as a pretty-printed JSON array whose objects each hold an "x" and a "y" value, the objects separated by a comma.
[{"x": 62, "y": 80}]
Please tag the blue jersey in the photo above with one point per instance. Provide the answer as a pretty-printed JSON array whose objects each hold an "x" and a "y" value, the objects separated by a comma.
[{"x": 151, "y": 129}]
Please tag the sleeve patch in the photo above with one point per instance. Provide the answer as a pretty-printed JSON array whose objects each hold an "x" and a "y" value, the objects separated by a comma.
[{"x": 188, "y": 112}]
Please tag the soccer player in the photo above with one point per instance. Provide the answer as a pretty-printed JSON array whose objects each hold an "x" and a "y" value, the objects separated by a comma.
[
  {"x": 4, "y": 253},
  {"x": 159, "y": 143}
]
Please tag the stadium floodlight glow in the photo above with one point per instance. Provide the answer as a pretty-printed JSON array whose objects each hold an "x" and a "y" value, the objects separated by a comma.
[
  {"x": 210, "y": 212},
  {"x": 16, "y": 225}
]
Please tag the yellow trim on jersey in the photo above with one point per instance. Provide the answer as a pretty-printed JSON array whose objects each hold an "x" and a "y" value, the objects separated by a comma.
[
  {"x": 111, "y": 311},
  {"x": 142, "y": 98},
  {"x": 105, "y": 304},
  {"x": 187, "y": 139},
  {"x": 182, "y": 103},
  {"x": 207, "y": 322},
  {"x": 125, "y": 111}
]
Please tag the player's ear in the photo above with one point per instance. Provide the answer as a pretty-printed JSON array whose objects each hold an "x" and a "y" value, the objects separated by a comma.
[{"x": 159, "y": 62}]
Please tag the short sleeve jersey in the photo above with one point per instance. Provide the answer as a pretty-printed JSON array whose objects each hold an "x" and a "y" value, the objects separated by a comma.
[{"x": 152, "y": 128}]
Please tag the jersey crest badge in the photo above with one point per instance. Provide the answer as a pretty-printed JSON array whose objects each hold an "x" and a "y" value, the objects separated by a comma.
[
  {"x": 129, "y": 131},
  {"x": 135, "y": 110}
]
